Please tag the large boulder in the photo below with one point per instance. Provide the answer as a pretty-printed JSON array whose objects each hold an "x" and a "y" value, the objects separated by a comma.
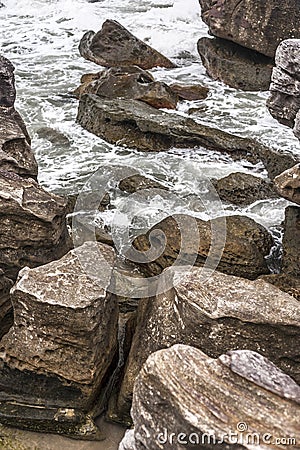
[
  {"x": 236, "y": 66},
  {"x": 15, "y": 152},
  {"x": 56, "y": 357},
  {"x": 114, "y": 46},
  {"x": 240, "y": 400},
  {"x": 284, "y": 100},
  {"x": 288, "y": 184},
  {"x": 242, "y": 189},
  {"x": 215, "y": 314},
  {"x": 247, "y": 244},
  {"x": 253, "y": 24},
  {"x": 32, "y": 222},
  {"x": 131, "y": 83}
]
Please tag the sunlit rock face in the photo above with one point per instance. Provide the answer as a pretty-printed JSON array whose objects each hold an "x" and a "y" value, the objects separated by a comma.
[{"x": 55, "y": 358}]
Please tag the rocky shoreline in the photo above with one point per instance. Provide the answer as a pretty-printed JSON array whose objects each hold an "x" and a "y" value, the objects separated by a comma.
[{"x": 214, "y": 346}]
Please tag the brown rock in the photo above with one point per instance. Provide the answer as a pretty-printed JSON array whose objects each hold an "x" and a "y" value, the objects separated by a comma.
[
  {"x": 131, "y": 83},
  {"x": 240, "y": 400},
  {"x": 246, "y": 244},
  {"x": 243, "y": 189},
  {"x": 254, "y": 24},
  {"x": 114, "y": 46},
  {"x": 56, "y": 357},
  {"x": 236, "y": 66},
  {"x": 137, "y": 182},
  {"x": 32, "y": 222},
  {"x": 190, "y": 92},
  {"x": 7, "y": 83},
  {"x": 216, "y": 315},
  {"x": 288, "y": 184},
  {"x": 286, "y": 283},
  {"x": 291, "y": 241}
]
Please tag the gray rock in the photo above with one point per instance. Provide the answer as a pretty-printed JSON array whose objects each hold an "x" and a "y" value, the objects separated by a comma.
[
  {"x": 137, "y": 182},
  {"x": 131, "y": 83},
  {"x": 7, "y": 83},
  {"x": 288, "y": 184},
  {"x": 244, "y": 189},
  {"x": 56, "y": 357},
  {"x": 284, "y": 100},
  {"x": 247, "y": 243},
  {"x": 291, "y": 241},
  {"x": 236, "y": 66},
  {"x": 239, "y": 400},
  {"x": 114, "y": 46},
  {"x": 219, "y": 314},
  {"x": 253, "y": 24},
  {"x": 32, "y": 222}
]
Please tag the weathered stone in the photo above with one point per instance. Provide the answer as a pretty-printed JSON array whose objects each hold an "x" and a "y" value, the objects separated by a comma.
[
  {"x": 15, "y": 151},
  {"x": 277, "y": 161},
  {"x": 284, "y": 100},
  {"x": 247, "y": 244},
  {"x": 256, "y": 25},
  {"x": 291, "y": 241},
  {"x": 131, "y": 83},
  {"x": 243, "y": 189},
  {"x": 236, "y": 66},
  {"x": 32, "y": 222},
  {"x": 190, "y": 91},
  {"x": 288, "y": 184},
  {"x": 216, "y": 315},
  {"x": 114, "y": 46},
  {"x": 7, "y": 83},
  {"x": 240, "y": 400},
  {"x": 6, "y": 315},
  {"x": 286, "y": 283},
  {"x": 135, "y": 124},
  {"x": 137, "y": 182},
  {"x": 56, "y": 357}
]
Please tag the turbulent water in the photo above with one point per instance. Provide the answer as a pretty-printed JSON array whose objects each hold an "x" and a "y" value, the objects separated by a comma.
[{"x": 41, "y": 38}]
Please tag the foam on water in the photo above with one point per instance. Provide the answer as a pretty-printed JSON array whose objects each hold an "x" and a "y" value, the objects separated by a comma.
[{"x": 41, "y": 38}]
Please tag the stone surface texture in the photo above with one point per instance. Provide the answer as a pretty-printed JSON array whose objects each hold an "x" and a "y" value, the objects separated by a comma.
[
  {"x": 55, "y": 358},
  {"x": 288, "y": 184},
  {"x": 113, "y": 46},
  {"x": 183, "y": 391}
]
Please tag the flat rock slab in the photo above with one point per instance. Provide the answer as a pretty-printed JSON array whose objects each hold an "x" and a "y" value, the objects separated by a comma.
[
  {"x": 113, "y": 46},
  {"x": 33, "y": 224},
  {"x": 183, "y": 391},
  {"x": 236, "y": 66},
  {"x": 254, "y": 24},
  {"x": 215, "y": 313},
  {"x": 55, "y": 358}
]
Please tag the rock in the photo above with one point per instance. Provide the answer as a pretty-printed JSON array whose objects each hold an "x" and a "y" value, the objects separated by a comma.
[
  {"x": 15, "y": 151},
  {"x": 284, "y": 100},
  {"x": 247, "y": 244},
  {"x": 216, "y": 314},
  {"x": 236, "y": 66},
  {"x": 182, "y": 397},
  {"x": 137, "y": 182},
  {"x": 32, "y": 222},
  {"x": 131, "y": 83},
  {"x": 114, "y": 46},
  {"x": 56, "y": 357},
  {"x": 190, "y": 92},
  {"x": 288, "y": 184},
  {"x": 286, "y": 283},
  {"x": 251, "y": 23},
  {"x": 56, "y": 137},
  {"x": 6, "y": 315},
  {"x": 291, "y": 241},
  {"x": 135, "y": 124},
  {"x": 277, "y": 161},
  {"x": 243, "y": 189}
]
